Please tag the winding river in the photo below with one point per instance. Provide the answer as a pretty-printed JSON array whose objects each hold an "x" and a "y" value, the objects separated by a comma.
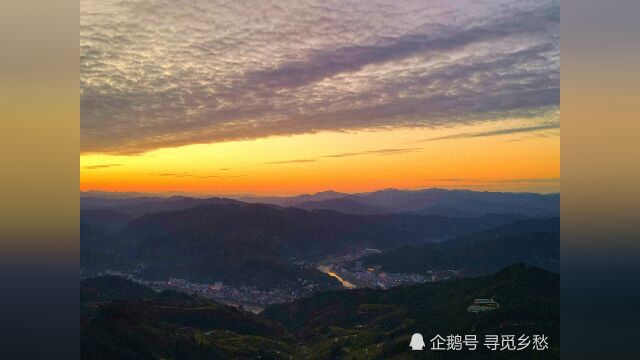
[{"x": 328, "y": 269}]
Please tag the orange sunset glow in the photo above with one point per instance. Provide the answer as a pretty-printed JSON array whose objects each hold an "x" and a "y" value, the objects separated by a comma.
[{"x": 348, "y": 162}]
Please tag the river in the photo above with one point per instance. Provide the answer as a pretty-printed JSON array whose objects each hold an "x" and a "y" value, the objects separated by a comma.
[{"x": 328, "y": 269}]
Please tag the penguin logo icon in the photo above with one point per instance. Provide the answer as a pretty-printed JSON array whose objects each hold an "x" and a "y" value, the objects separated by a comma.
[{"x": 417, "y": 343}]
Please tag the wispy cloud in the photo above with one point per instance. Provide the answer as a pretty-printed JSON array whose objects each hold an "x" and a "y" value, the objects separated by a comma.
[
  {"x": 291, "y": 161},
  {"x": 101, "y": 166},
  {"x": 180, "y": 174},
  {"x": 192, "y": 175},
  {"x": 514, "y": 130},
  {"x": 233, "y": 70},
  {"x": 342, "y": 155},
  {"x": 375, "y": 152}
]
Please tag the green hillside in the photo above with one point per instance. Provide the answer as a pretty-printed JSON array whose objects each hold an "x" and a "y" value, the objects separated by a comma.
[
  {"x": 353, "y": 324},
  {"x": 365, "y": 323}
]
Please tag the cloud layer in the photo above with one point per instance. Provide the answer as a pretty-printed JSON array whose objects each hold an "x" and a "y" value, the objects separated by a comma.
[
  {"x": 507, "y": 131},
  {"x": 350, "y": 154},
  {"x": 169, "y": 73},
  {"x": 374, "y": 152}
]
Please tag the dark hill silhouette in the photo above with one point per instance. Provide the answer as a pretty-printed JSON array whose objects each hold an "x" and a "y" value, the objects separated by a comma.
[
  {"x": 531, "y": 241},
  {"x": 462, "y": 202},
  {"x": 107, "y": 288},
  {"x": 254, "y": 244},
  {"x": 344, "y": 205},
  {"x": 169, "y": 325},
  {"x": 293, "y": 200},
  {"x": 170, "y": 204}
]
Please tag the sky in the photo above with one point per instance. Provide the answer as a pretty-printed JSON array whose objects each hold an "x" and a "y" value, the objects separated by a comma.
[{"x": 283, "y": 97}]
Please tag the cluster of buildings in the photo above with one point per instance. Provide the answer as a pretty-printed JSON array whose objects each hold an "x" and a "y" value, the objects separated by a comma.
[
  {"x": 381, "y": 279},
  {"x": 227, "y": 293},
  {"x": 230, "y": 294},
  {"x": 374, "y": 276},
  {"x": 482, "y": 305},
  {"x": 356, "y": 276},
  {"x": 224, "y": 293}
]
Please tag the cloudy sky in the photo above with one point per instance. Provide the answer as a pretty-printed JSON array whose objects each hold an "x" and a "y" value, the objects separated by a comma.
[{"x": 162, "y": 78}]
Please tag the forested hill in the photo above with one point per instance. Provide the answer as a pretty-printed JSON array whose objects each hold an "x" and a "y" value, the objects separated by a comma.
[
  {"x": 379, "y": 323},
  {"x": 352, "y": 324},
  {"x": 531, "y": 241},
  {"x": 252, "y": 244}
]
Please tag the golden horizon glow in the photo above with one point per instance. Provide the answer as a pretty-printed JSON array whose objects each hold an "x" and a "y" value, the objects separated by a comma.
[{"x": 350, "y": 162}]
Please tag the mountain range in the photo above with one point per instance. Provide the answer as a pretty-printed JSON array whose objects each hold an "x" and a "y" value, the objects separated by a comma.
[
  {"x": 458, "y": 203},
  {"x": 253, "y": 244},
  {"x": 136, "y": 206},
  {"x": 268, "y": 244}
]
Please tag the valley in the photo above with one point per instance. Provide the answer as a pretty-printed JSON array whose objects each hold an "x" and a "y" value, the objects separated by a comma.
[{"x": 223, "y": 278}]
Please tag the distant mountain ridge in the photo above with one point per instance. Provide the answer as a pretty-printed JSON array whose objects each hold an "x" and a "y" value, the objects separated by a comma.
[
  {"x": 136, "y": 206},
  {"x": 294, "y": 200},
  {"x": 458, "y": 203},
  {"x": 432, "y": 201},
  {"x": 345, "y": 205}
]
